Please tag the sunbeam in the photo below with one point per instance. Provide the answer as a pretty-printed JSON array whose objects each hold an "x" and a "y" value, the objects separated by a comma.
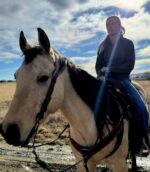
[{"x": 131, "y": 4}]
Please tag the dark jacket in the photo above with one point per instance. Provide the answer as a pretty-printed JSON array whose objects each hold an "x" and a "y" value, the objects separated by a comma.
[{"x": 123, "y": 58}]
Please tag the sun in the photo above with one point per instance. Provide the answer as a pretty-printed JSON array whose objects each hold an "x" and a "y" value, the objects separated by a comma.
[{"x": 131, "y": 4}]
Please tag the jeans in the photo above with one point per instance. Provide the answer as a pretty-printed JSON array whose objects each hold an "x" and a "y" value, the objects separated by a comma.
[{"x": 139, "y": 104}]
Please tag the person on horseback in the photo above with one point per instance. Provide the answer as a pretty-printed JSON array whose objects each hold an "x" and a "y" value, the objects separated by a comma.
[{"x": 115, "y": 61}]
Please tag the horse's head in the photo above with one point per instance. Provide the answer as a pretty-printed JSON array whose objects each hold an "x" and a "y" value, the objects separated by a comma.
[{"x": 33, "y": 79}]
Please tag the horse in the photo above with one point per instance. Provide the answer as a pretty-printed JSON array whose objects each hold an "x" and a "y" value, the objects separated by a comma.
[{"x": 46, "y": 82}]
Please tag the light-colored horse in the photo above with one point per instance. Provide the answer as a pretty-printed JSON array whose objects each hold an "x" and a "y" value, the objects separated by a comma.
[{"x": 33, "y": 79}]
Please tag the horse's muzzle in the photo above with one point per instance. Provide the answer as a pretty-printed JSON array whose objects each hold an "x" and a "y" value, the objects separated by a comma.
[{"x": 12, "y": 134}]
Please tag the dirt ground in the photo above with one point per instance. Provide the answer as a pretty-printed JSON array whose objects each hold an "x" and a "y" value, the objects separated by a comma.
[{"x": 58, "y": 156}]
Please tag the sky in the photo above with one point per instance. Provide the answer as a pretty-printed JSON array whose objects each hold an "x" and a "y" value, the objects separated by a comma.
[{"x": 75, "y": 29}]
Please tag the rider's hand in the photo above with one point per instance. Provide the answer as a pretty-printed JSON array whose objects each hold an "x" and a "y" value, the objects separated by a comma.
[
  {"x": 104, "y": 69},
  {"x": 100, "y": 77}
]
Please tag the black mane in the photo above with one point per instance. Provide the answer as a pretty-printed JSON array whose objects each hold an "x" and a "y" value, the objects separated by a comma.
[
  {"x": 99, "y": 97},
  {"x": 86, "y": 86}
]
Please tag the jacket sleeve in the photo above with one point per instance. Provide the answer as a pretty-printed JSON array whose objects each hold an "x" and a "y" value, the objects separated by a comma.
[
  {"x": 131, "y": 55},
  {"x": 99, "y": 62}
]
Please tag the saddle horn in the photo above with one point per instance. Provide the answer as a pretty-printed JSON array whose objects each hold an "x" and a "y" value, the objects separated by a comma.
[{"x": 43, "y": 39}]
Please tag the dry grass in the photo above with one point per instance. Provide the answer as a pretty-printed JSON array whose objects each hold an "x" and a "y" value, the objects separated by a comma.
[
  {"x": 6, "y": 94},
  {"x": 146, "y": 85},
  {"x": 7, "y": 91},
  {"x": 55, "y": 123}
]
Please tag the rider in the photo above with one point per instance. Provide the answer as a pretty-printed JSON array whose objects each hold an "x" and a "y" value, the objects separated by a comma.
[{"x": 115, "y": 61}]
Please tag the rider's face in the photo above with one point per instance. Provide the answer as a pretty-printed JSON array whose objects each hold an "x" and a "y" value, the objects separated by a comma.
[{"x": 113, "y": 27}]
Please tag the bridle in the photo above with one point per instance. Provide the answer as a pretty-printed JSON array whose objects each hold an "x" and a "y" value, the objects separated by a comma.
[{"x": 59, "y": 68}]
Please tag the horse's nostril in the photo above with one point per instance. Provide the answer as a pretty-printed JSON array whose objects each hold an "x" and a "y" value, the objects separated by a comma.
[{"x": 12, "y": 135}]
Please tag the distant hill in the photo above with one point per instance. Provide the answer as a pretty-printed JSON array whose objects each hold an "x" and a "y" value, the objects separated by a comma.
[{"x": 144, "y": 75}]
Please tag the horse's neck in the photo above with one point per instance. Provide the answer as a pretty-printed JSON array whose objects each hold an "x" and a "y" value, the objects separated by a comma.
[{"x": 78, "y": 114}]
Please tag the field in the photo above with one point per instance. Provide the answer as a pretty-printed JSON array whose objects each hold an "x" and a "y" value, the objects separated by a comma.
[
  {"x": 21, "y": 160},
  {"x": 6, "y": 94}
]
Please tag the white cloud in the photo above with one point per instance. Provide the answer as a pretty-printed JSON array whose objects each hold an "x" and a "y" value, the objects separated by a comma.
[
  {"x": 8, "y": 57},
  {"x": 143, "y": 61},
  {"x": 142, "y": 65},
  {"x": 86, "y": 63},
  {"x": 137, "y": 26},
  {"x": 144, "y": 52},
  {"x": 90, "y": 66}
]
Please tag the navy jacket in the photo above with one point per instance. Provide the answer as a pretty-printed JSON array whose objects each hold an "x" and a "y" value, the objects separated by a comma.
[{"x": 123, "y": 59}]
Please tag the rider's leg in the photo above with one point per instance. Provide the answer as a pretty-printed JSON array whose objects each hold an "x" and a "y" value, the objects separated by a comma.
[{"x": 142, "y": 111}]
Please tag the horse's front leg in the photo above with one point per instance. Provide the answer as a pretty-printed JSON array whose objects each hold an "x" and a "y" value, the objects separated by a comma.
[
  {"x": 89, "y": 168},
  {"x": 119, "y": 167},
  {"x": 80, "y": 162}
]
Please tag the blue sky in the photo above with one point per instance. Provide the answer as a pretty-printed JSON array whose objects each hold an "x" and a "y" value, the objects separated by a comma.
[{"x": 75, "y": 28}]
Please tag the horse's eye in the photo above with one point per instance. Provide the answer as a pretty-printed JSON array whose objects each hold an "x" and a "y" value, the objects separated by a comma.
[{"x": 43, "y": 78}]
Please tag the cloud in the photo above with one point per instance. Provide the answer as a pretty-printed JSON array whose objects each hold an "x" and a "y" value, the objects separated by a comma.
[
  {"x": 90, "y": 67},
  {"x": 122, "y": 12},
  {"x": 86, "y": 63},
  {"x": 144, "y": 52},
  {"x": 65, "y": 4},
  {"x": 9, "y": 8},
  {"x": 142, "y": 65},
  {"x": 60, "y": 5},
  {"x": 143, "y": 61},
  {"x": 146, "y": 7},
  {"x": 9, "y": 46},
  {"x": 136, "y": 27},
  {"x": 8, "y": 57}
]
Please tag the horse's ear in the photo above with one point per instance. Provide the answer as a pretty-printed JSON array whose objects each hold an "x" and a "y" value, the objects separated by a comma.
[
  {"x": 43, "y": 39},
  {"x": 24, "y": 46}
]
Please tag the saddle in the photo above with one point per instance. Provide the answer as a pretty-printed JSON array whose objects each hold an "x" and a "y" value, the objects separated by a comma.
[{"x": 136, "y": 144}]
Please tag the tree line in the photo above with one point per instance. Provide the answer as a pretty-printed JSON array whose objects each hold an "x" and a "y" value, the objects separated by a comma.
[
  {"x": 5, "y": 81},
  {"x": 146, "y": 75}
]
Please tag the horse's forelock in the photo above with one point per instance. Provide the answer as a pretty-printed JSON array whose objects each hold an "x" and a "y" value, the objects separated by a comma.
[{"x": 31, "y": 53}]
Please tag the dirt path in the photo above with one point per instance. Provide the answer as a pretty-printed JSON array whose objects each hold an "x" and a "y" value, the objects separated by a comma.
[{"x": 15, "y": 159}]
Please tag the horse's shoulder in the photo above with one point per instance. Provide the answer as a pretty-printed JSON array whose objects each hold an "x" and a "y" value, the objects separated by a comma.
[{"x": 140, "y": 89}]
